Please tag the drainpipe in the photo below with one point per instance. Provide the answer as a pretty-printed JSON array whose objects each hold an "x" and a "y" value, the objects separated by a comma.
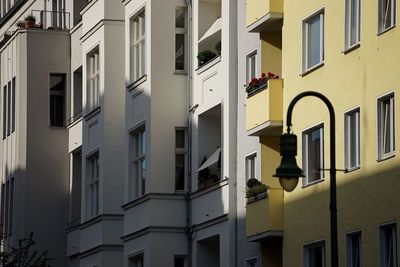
[{"x": 189, "y": 231}]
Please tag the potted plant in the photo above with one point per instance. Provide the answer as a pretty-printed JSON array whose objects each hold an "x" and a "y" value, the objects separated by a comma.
[
  {"x": 21, "y": 24},
  {"x": 257, "y": 83},
  {"x": 218, "y": 48},
  {"x": 30, "y": 22},
  {"x": 255, "y": 188},
  {"x": 205, "y": 56}
]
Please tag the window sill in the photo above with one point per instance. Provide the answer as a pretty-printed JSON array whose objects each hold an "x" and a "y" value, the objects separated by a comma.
[
  {"x": 351, "y": 48},
  {"x": 386, "y": 30},
  {"x": 386, "y": 157},
  {"x": 180, "y": 72},
  {"x": 352, "y": 169},
  {"x": 313, "y": 183},
  {"x": 313, "y": 68},
  {"x": 136, "y": 83},
  {"x": 92, "y": 113}
]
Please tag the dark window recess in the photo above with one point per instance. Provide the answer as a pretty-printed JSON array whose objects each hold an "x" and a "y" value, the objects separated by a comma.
[
  {"x": 57, "y": 103},
  {"x": 9, "y": 108},
  {"x": 5, "y": 112},
  {"x": 13, "y": 105}
]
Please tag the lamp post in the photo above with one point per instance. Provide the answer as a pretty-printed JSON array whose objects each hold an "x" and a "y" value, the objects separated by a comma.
[{"x": 288, "y": 172}]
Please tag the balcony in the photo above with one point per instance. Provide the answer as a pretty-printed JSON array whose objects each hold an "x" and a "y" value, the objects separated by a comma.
[
  {"x": 264, "y": 15},
  {"x": 264, "y": 111},
  {"x": 264, "y": 216}
]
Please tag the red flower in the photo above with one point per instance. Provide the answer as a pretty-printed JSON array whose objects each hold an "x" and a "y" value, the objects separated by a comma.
[{"x": 263, "y": 75}]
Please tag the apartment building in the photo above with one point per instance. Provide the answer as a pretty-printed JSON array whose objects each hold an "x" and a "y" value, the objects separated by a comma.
[{"x": 346, "y": 51}]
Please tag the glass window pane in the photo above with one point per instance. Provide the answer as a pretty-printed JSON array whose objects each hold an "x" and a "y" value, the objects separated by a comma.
[
  {"x": 179, "y": 171},
  {"x": 179, "y": 51},
  {"x": 180, "y": 139},
  {"x": 180, "y": 18},
  {"x": 314, "y": 41}
]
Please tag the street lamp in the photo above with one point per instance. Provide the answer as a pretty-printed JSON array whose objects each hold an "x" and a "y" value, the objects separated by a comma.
[{"x": 288, "y": 172}]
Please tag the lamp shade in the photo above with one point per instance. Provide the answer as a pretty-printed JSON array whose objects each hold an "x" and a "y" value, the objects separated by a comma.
[{"x": 288, "y": 172}]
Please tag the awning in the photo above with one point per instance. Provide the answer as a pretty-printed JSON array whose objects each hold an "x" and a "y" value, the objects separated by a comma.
[
  {"x": 212, "y": 30},
  {"x": 211, "y": 160}
]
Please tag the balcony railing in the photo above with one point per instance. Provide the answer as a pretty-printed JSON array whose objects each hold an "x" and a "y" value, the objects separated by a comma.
[
  {"x": 52, "y": 20},
  {"x": 74, "y": 118}
]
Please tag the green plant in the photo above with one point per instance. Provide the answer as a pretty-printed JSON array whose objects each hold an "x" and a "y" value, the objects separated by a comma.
[
  {"x": 205, "y": 56},
  {"x": 21, "y": 24},
  {"x": 24, "y": 255},
  {"x": 255, "y": 188},
  {"x": 30, "y": 18},
  {"x": 218, "y": 47}
]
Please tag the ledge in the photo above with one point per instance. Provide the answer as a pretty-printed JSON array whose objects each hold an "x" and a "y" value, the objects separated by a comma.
[
  {"x": 313, "y": 68},
  {"x": 101, "y": 217},
  {"x": 208, "y": 65},
  {"x": 265, "y": 235},
  {"x": 136, "y": 83},
  {"x": 147, "y": 197},
  {"x": 206, "y": 190},
  {"x": 92, "y": 113},
  {"x": 257, "y": 198}
]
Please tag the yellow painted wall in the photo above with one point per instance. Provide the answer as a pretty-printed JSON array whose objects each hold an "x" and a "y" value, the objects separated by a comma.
[
  {"x": 271, "y": 52},
  {"x": 256, "y": 9},
  {"x": 369, "y": 196}
]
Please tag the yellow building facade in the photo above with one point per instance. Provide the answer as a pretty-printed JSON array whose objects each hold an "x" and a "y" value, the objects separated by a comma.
[{"x": 348, "y": 51}]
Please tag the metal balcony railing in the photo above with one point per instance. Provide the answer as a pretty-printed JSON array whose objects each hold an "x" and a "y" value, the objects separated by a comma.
[
  {"x": 74, "y": 118},
  {"x": 53, "y": 20}
]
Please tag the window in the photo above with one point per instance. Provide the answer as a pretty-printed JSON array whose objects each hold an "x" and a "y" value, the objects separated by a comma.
[
  {"x": 77, "y": 95},
  {"x": 313, "y": 155},
  {"x": 180, "y": 38},
  {"x": 9, "y": 108},
  {"x": 138, "y": 49},
  {"x": 251, "y": 66},
  {"x": 313, "y": 41},
  {"x": 253, "y": 262},
  {"x": 136, "y": 261},
  {"x": 352, "y": 23},
  {"x": 386, "y": 126},
  {"x": 93, "y": 87},
  {"x": 7, "y": 207},
  {"x": 250, "y": 162},
  {"x": 352, "y": 138},
  {"x": 179, "y": 261},
  {"x": 180, "y": 159},
  {"x": 92, "y": 184},
  {"x": 314, "y": 254},
  {"x": 137, "y": 185},
  {"x": 386, "y": 15},
  {"x": 353, "y": 249},
  {"x": 388, "y": 245},
  {"x": 57, "y": 91}
]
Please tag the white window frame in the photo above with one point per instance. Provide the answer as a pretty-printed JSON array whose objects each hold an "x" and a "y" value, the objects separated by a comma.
[
  {"x": 349, "y": 6},
  {"x": 382, "y": 15},
  {"x": 183, "y": 31},
  {"x": 137, "y": 185},
  {"x": 350, "y": 248},
  {"x": 182, "y": 151},
  {"x": 92, "y": 185},
  {"x": 249, "y": 57},
  {"x": 382, "y": 122},
  {"x": 312, "y": 245},
  {"x": 93, "y": 80},
  {"x": 136, "y": 256},
  {"x": 306, "y": 23},
  {"x": 138, "y": 46},
  {"x": 348, "y": 141},
  {"x": 382, "y": 244},
  {"x": 252, "y": 259},
  {"x": 306, "y": 153},
  {"x": 250, "y": 162}
]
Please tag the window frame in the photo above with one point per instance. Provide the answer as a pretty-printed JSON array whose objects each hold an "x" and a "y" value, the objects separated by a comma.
[
  {"x": 305, "y": 154},
  {"x": 137, "y": 182},
  {"x": 255, "y": 259},
  {"x": 249, "y": 57},
  {"x": 381, "y": 127},
  {"x": 381, "y": 27},
  {"x": 348, "y": 23},
  {"x": 93, "y": 79},
  {"x": 182, "y": 151},
  {"x": 312, "y": 245},
  {"x": 93, "y": 185},
  {"x": 184, "y": 31},
  {"x": 349, "y": 247},
  {"x": 251, "y": 158},
  {"x": 138, "y": 65},
  {"x": 382, "y": 240},
  {"x": 58, "y": 93},
  {"x": 306, "y": 67},
  {"x": 347, "y": 139}
]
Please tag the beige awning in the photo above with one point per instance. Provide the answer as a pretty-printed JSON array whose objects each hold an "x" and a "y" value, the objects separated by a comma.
[
  {"x": 215, "y": 27},
  {"x": 211, "y": 160}
]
